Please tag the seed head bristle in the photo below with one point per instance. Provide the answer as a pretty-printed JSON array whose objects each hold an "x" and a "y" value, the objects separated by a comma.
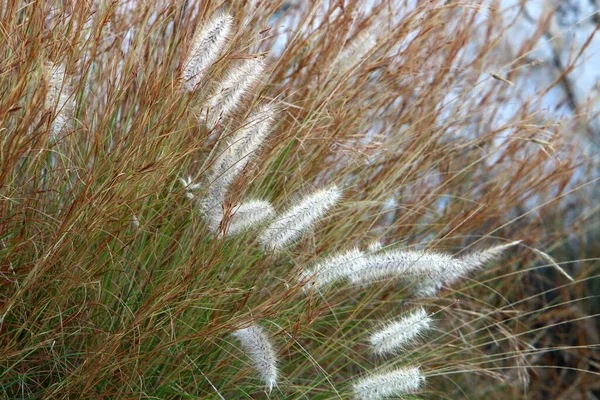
[
  {"x": 240, "y": 78},
  {"x": 207, "y": 45},
  {"x": 292, "y": 224},
  {"x": 395, "y": 383},
  {"x": 257, "y": 345},
  {"x": 250, "y": 214},
  {"x": 396, "y": 335},
  {"x": 58, "y": 99}
]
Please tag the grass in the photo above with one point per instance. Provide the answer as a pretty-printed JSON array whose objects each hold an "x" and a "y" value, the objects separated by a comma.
[{"x": 114, "y": 284}]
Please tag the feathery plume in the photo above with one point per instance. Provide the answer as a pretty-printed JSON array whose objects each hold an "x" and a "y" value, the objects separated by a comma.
[
  {"x": 336, "y": 267},
  {"x": 294, "y": 222},
  {"x": 231, "y": 90},
  {"x": 249, "y": 214},
  {"x": 58, "y": 99},
  {"x": 229, "y": 165},
  {"x": 403, "y": 263},
  {"x": 207, "y": 46},
  {"x": 430, "y": 271},
  {"x": 397, "y": 334},
  {"x": 256, "y": 343},
  {"x": 394, "y": 383},
  {"x": 476, "y": 260}
]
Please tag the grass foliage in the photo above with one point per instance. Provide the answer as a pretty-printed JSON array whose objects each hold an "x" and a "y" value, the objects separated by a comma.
[{"x": 117, "y": 281}]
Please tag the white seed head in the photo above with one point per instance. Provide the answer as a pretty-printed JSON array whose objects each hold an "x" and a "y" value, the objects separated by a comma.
[
  {"x": 336, "y": 267},
  {"x": 405, "y": 264},
  {"x": 250, "y": 214},
  {"x": 395, "y": 383},
  {"x": 231, "y": 90},
  {"x": 239, "y": 151},
  {"x": 462, "y": 265},
  {"x": 400, "y": 333},
  {"x": 58, "y": 99},
  {"x": 257, "y": 345},
  {"x": 207, "y": 46},
  {"x": 292, "y": 224}
]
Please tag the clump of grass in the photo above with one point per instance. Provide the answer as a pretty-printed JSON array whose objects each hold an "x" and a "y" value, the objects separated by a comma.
[{"x": 134, "y": 247}]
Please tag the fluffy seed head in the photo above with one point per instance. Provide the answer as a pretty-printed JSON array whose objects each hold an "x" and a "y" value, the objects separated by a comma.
[
  {"x": 400, "y": 333},
  {"x": 207, "y": 46},
  {"x": 293, "y": 223},
  {"x": 428, "y": 270},
  {"x": 403, "y": 263},
  {"x": 461, "y": 266},
  {"x": 257, "y": 345},
  {"x": 58, "y": 99},
  {"x": 249, "y": 214},
  {"x": 239, "y": 151},
  {"x": 395, "y": 383},
  {"x": 230, "y": 91},
  {"x": 338, "y": 266}
]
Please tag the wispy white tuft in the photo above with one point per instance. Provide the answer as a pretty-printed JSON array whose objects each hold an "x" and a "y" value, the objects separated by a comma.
[
  {"x": 250, "y": 214},
  {"x": 58, "y": 99},
  {"x": 374, "y": 247},
  {"x": 258, "y": 346},
  {"x": 395, "y": 383},
  {"x": 135, "y": 222},
  {"x": 229, "y": 93},
  {"x": 476, "y": 260},
  {"x": 207, "y": 46},
  {"x": 189, "y": 187},
  {"x": 404, "y": 263},
  {"x": 334, "y": 268},
  {"x": 239, "y": 150},
  {"x": 400, "y": 333},
  {"x": 293, "y": 223},
  {"x": 428, "y": 270}
]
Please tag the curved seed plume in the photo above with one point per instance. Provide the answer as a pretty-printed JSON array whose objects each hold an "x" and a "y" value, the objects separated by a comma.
[
  {"x": 430, "y": 271},
  {"x": 403, "y": 263},
  {"x": 239, "y": 151},
  {"x": 250, "y": 214},
  {"x": 230, "y": 91},
  {"x": 336, "y": 267},
  {"x": 293, "y": 223},
  {"x": 207, "y": 46},
  {"x": 400, "y": 333},
  {"x": 256, "y": 344},
  {"x": 394, "y": 383},
  {"x": 463, "y": 265},
  {"x": 58, "y": 99}
]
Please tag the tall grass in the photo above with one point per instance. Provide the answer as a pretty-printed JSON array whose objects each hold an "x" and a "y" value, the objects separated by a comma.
[{"x": 117, "y": 281}]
